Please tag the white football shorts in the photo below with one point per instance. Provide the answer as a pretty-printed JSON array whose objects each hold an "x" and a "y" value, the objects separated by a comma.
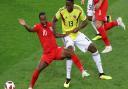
[{"x": 82, "y": 42}]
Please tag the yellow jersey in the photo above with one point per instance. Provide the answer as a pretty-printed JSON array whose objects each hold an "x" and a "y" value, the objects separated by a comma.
[{"x": 70, "y": 20}]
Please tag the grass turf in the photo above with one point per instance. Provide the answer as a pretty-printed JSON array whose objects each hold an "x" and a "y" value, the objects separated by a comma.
[{"x": 20, "y": 51}]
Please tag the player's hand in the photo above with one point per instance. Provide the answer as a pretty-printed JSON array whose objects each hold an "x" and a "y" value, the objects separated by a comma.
[
  {"x": 22, "y": 22},
  {"x": 75, "y": 30},
  {"x": 82, "y": 2}
]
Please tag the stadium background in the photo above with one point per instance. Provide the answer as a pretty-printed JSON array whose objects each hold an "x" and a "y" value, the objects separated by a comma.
[{"x": 20, "y": 51}]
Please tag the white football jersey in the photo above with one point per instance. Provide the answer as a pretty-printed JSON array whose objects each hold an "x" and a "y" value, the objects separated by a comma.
[{"x": 90, "y": 8}]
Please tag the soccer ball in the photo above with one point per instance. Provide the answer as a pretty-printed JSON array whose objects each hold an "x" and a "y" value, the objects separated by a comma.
[{"x": 9, "y": 85}]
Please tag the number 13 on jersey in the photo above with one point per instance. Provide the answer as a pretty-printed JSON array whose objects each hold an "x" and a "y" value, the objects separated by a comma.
[{"x": 70, "y": 23}]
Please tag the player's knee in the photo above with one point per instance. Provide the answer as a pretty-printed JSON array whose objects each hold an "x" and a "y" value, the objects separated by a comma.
[
  {"x": 42, "y": 66},
  {"x": 70, "y": 48},
  {"x": 92, "y": 48},
  {"x": 68, "y": 52}
]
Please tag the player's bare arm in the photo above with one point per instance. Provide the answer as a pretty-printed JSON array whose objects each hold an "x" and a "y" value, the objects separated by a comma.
[
  {"x": 57, "y": 35},
  {"x": 97, "y": 6},
  {"x": 82, "y": 25},
  {"x": 23, "y": 23}
]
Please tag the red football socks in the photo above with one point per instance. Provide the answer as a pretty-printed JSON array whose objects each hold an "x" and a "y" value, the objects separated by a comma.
[
  {"x": 34, "y": 78},
  {"x": 76, "y": 61},
  {"x": 108, "y": 26},
  {"x": 104, "y": 35}
]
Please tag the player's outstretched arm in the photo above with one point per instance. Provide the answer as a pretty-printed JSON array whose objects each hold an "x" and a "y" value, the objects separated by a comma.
[
  {"x": 57, "y": 35},
  {"x": 23, "y": 23}
]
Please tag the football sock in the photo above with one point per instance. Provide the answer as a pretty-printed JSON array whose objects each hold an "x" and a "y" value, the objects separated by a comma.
[
  {"x": 101, "y": 74},
  {"x": 76, "y": 61},
  {"x": 68, "y": 68},
  {"x": 97, "y": 60},
  {"x": 108, "y": 26},
  {"x": 34, "y": 78},
  {"x": 104, "y": 35}
]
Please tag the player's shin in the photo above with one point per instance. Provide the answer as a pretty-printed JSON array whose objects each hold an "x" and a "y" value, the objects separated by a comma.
[
  {"x": 104, "y": 36},
  {"x": 94, "y": 26},
  {"x": 76, "y": 61},
  {"x": 79, "y": 66},
  {"x": 97, "y": 60},
  {"x": 68, "y": 68},
  {"x": 34, "y": 78}
]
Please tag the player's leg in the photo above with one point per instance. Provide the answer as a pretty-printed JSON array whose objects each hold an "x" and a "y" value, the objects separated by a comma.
[
  {"x": 67, "y": 53},
  {"x": 100, "y": 27},
  {"x": 108, "y": 24},
  {"x": 112, "y": 24},
  {"x": 98, "y": 36},
  {"x": 69, "y": 44},
  {"x": 42, "y": 65},
  {"x": 84, "y": 44},
  {"x": 93, "y": 22},
  {"x": 90, "y": 16},
  {"x": 97, "y": 59}
]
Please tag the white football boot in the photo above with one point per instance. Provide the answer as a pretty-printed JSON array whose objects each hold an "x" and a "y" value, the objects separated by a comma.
[
  {"x": 120, "y": 22},
  {"x": 107, "y": 49},
  {"x": 29, "y": 88},
  {"x": 85, "y": 74}
]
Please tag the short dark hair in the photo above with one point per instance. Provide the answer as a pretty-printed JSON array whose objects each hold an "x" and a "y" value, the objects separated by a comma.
[
  {"x": 70, "y": 1},
  {"x": 41, "y": 13}
]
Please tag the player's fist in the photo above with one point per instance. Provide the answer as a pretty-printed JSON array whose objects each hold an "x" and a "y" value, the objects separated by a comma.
[
  {"x": 75, "y": 30},
  {"x": 22, "y": 22},
  {"x": 82, "y": 2}
]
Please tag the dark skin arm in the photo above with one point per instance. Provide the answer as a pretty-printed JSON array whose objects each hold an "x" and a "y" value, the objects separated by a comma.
[
  {"x": 26, "y": 26},
  {"x": 57, "y": 35},
  {"x": 81, "y": 26}
]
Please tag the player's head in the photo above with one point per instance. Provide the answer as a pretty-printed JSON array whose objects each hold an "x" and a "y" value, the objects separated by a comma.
[
  {"x": 69, "y": 5},
  {"x": 42, "y": 17}
]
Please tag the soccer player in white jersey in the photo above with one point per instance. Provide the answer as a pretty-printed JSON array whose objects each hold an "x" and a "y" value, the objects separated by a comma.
[
  {"x": 70, "y": 15},
  {"x": 90, "y": 16}
]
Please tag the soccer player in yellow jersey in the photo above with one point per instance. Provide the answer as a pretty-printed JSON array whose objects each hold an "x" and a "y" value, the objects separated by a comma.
[{"x": 71, "y": 15}]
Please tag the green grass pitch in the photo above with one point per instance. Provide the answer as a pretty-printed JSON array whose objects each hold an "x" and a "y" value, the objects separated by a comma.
[{"x": 20, "y": 50}]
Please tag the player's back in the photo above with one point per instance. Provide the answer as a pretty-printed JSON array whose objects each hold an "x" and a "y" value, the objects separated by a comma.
[{"x": 46, "y": 37}]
